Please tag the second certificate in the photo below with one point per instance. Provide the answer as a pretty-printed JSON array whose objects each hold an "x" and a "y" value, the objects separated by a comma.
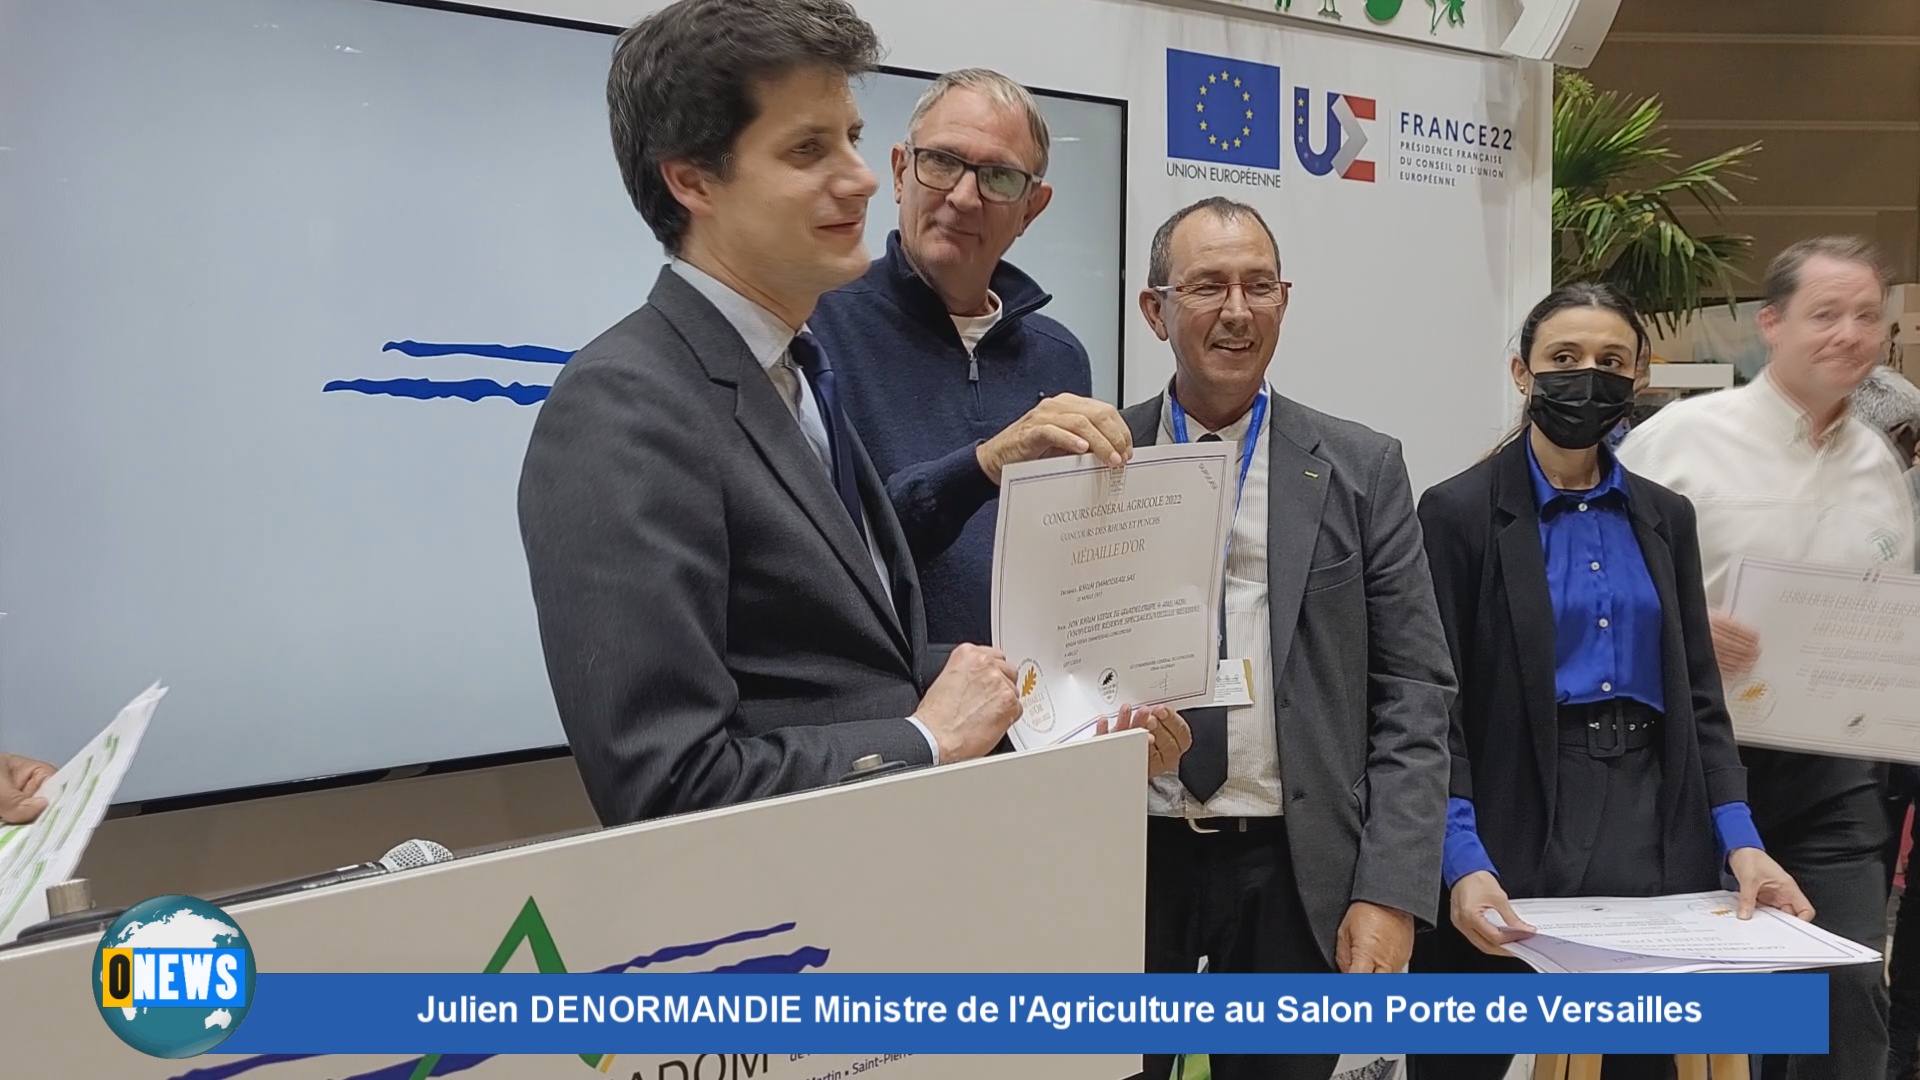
[{"x": 1107, "y": 583}]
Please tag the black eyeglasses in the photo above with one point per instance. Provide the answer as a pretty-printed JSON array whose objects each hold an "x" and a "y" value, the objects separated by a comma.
[{"x": 942, "y": 171}]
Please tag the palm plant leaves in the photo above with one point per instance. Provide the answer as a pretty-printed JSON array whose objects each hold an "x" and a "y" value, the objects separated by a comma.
[{"x": 1614, "y": 189}]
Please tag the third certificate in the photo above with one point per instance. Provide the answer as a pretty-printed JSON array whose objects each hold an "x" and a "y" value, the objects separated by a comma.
[{"x": 1839, "y": 669}]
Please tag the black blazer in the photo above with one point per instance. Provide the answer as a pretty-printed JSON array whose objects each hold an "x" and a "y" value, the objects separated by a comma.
[
  {"x": 713, "y": 625},
  {"x": 1490, "y": 575}
]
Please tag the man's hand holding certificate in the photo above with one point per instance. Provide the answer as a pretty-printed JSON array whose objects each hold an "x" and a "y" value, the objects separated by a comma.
[
  {"x": 1107, "y": 584},
  {"x": 1839, "y": 660}
]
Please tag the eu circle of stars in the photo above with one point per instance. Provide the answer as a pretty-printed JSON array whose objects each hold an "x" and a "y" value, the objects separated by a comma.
[{"x": 1231, "y": 114}]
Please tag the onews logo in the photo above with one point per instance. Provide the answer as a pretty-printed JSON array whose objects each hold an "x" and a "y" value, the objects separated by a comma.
[
  {"x": 173, "y": 976},
  {"x": 768, "y": 950},
  {"x": 1345, "y": 137}
]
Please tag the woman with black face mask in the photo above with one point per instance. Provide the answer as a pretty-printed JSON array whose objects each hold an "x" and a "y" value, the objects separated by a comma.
[{"x": 1592, "y": 751}]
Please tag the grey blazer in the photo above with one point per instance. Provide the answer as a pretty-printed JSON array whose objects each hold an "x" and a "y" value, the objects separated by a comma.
[
  {"x": 1362, "y": 678},
  {"x": 713, "y": 626}
]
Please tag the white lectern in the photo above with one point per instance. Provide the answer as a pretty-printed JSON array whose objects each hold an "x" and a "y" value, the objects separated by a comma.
[{"x": 1032, "y": 862}]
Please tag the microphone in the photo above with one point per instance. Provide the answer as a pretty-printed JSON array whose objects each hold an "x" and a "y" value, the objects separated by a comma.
[
  {"x": 408, "y": 855},
  {"x": 415, "y": 853}
]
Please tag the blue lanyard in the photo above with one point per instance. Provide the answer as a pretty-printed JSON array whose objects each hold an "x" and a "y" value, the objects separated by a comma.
[{"x": 1256, "y": 421}]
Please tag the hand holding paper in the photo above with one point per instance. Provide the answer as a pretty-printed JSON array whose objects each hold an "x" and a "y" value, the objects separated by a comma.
[
  {"x": 1062, "y": 424},
  {"x": 1473, "y": 897},
  {"x": 971, "y": 703},
  {"x": 1167, "y": 732},
  {"x": 1691, "y": 932},
  {"x": 20, "y": 780},
  {"x": 1735, "y": 644},
  {"x": 46, "y": 852},
  {"x": 1765, "y": 882}
]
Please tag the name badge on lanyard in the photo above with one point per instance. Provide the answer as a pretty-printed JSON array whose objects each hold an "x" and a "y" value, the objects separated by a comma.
[{"x": 1233, "y": 682}]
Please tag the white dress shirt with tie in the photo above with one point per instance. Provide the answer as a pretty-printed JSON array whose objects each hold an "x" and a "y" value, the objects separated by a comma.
[
  {"x": 770, "y": 340},
  {"x": 1252, "y": 788}
]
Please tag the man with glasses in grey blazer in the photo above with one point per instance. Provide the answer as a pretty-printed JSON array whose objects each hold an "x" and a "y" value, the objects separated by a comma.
[{"x": 1302, "y": 830}]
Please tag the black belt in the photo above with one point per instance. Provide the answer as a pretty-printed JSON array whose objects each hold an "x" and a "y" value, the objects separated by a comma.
[
  {"x": 1608, "y": 729},
  {"x": 1216, "y": 826}
]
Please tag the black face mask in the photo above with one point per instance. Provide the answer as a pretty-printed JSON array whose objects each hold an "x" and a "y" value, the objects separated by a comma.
[{"x": 1576, "y": 409}]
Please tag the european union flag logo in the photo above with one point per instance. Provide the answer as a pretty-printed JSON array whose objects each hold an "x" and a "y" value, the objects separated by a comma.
[{"x": 1223, "y": 110}]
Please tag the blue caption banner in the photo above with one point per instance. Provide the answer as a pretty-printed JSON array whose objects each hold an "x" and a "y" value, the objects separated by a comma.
[{"x": 830, "y": 1013}]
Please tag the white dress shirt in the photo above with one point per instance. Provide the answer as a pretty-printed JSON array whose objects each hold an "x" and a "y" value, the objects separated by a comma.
[
  {"x": 1252, "y": 788},
  {"x": 770, "y": 340},
  {"x": 1746, "y": 459}
]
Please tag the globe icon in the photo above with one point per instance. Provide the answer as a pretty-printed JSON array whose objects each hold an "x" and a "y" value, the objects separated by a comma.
[{"x": 190, "y": 1027}]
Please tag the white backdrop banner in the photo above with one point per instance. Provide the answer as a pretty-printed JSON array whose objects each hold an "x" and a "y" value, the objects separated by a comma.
[{"x": 1394, "y": 179}]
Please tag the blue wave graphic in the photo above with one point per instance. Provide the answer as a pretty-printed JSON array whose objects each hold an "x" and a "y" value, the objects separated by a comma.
[
  {"x": 792, "y": 963},
  {"x": 447, "y": 1066},
  {"x": 465, "y": 389},
  {"x": 244, "y": 1065},
  {"x": 429, "y": 389},
  {"x": 533, "y": 354},
  {"x": 698, "y": 948}
]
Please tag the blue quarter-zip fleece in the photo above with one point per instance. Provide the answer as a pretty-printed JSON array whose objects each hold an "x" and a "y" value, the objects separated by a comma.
[{"x": 921, "y": 406}]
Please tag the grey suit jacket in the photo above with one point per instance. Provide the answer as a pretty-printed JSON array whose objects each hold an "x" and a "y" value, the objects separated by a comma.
[
  {"x": 713, "y": 626},
  {"x": 1362, "y": 680}
]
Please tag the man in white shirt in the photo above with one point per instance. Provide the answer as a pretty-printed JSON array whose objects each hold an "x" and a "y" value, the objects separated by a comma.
[{"x": 1781, "y": 468}]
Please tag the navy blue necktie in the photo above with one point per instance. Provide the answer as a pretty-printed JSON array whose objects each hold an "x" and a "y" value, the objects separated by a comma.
[
  {"x": 813, "y": 361},
  {"x": 1203, "y": 768}
]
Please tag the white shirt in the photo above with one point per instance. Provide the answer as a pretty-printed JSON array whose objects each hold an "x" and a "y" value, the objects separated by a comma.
[
  {"x": 1252, "y": 788},
  {"x": 974, "y": 327},
  {"x": 1746, "y": 459},
  {"x": 770, "y": 340}
]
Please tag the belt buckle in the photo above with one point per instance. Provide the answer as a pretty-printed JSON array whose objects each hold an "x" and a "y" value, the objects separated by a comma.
[
  {"x": 1194, "y": 824},
  {"x": 1607, "y": 722}
]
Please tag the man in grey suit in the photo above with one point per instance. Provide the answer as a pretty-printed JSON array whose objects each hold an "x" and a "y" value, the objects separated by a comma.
[
  {"x": 727, "y": 605},
  {"x": 1302, "y": 831}
]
